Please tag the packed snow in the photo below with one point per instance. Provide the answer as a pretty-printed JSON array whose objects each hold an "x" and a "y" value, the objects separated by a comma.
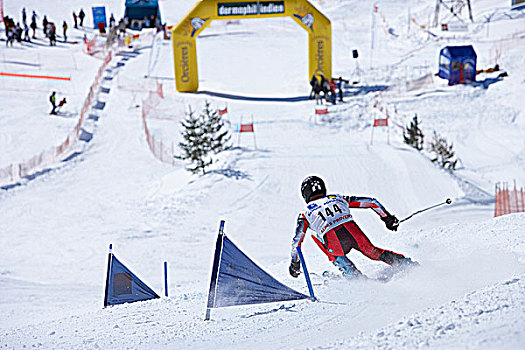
[{"x": 468, "y": 292}]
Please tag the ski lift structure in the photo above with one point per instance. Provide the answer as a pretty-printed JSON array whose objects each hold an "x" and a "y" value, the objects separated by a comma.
[{"x": 458, "y": 10}]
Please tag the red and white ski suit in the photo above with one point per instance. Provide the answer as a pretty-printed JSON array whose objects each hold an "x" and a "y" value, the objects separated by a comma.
[{"x": 336, "y": 233}]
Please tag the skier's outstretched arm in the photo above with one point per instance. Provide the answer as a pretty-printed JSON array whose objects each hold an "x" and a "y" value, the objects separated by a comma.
[
  {"x": 390, "y": 220},
  {"x": 300, "y": 232}
]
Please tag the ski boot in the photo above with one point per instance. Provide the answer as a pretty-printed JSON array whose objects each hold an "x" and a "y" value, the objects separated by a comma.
[{"x": 347, "y": 267}]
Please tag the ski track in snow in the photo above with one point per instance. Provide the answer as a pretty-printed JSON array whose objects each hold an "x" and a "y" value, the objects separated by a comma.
[{"x": 468, "y": 292}]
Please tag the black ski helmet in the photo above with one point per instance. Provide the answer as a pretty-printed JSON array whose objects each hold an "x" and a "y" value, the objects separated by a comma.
[{"x": 313, "y": 187}]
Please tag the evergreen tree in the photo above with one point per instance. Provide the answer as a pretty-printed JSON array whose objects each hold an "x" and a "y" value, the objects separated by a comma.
[
  {"x": 444, "y": 152},
  {"x": 196, "y": 144},
  {"x": 218, "y": 134},
  {"x": 413, "y": 135}
]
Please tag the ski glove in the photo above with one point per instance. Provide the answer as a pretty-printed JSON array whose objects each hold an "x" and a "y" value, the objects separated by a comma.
[
  {"x": 295, "y": 269},
  {"x": 391, "y": 222}
]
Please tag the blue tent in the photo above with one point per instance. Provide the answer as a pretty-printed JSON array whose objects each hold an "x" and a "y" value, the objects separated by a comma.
[
  {"x": 457, "y": 64},
  {"x": 123, "y": 286},
  {"x": 142, "y": 13},
  {"x": 237, "y": 280}
]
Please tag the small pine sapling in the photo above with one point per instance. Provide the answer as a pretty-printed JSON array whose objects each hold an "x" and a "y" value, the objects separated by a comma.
[
  {"x": 195, "y": 146},
  {"x": 444, "y": 153},
  {"x": 413, "y": 135},
  {"x": 218, "y": 134}
]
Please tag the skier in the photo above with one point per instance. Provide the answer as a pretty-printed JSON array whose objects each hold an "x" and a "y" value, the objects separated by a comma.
[
  {"x": 336, "y": 232},
  {"x": 53, "y": 100},
  {"x": 60, "y": 105}
]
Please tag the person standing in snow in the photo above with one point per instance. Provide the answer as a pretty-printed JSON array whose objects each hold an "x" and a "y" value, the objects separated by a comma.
[
  {"x": 336, "y": 232},
  {"x": 53, "y": 100},
  {"x": 313, "y": 84},
  {"x": 75, "y": 19},
  {"x": 52, "y": 32},
  {"x": 64, "y": 27},
  {"x": 33, "y": 27},
  {"x": 26, "y": 34},
  {"x": 45, "y": 22},
  {"x": 81, "y": 16},
  {"x": 24, "y": 17},
  {"x": 10, "y": 37}
]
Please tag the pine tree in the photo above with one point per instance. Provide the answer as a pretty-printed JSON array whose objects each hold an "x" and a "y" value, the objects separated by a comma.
[
  {"x": 413, "y": 135},
  {"x": 443, "y": 151},
  {"x": 218, "y": 135},
  {"x": 196, "y": 144}
]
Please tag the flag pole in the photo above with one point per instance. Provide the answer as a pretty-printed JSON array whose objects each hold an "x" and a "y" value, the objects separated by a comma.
[
  {"x": 253, "y": 132},
  {"x": 166, "y": 278}
]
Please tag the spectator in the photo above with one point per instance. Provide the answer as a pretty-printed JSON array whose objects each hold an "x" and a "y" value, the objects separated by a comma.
[
  {"x": 340, "y": 87},
  {"x": 26, "y": 33},
  {"x": 10, "y": 37},
  {"x": 64, "y": 26},
  {"x": 45, "y": 22},
  {"x": 313, "y": 84},
  {"x": 145, "y": 23},
  {"x": 24, "y": 17},
  {"x": 324, "y": 87},
  {"x": 111, "y": 21},
  {"x": 81, "y": 16},
  {"x": 52, "y": 34},
  {"x": 33, "y": 26},
  {"x": 122, "y": 26},
  {"x": 33, "y": 17},
  {"x": 332, "y": 86},
  {"x": 18, "y": 33},
  {"x": 75, "y": 19},
  {"x": 52, "y": 99}
]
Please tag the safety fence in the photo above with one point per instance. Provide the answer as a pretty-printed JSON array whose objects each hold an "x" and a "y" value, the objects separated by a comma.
[
  {"x": 15, "y": 172},
  {"x": 508, "y": 201},
  {"x": 165, "y": 152}
]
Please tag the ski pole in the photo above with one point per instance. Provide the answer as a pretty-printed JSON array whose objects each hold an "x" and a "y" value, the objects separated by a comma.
[{"x": 447, "y": 201}]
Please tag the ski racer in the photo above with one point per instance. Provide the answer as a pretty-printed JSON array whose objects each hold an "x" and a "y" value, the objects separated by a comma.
[{"x": 336, "y": 232}]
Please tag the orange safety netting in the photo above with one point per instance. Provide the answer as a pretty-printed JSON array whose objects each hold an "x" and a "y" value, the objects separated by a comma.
[{"x": 508, "y": 201}]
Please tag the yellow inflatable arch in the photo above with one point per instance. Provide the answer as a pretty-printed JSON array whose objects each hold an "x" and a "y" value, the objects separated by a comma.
[{"x": 301, "y": 11}]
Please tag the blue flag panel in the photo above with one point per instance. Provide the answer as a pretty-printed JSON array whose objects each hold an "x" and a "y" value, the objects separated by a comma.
[
  {"x": 123, "y": 286},
  {"x": 240, "y": 281}
]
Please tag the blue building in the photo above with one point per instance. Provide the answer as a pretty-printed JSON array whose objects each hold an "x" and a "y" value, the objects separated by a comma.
[
  {"x": 457, "y": 64},
  {"x": 142, "y": 14}
]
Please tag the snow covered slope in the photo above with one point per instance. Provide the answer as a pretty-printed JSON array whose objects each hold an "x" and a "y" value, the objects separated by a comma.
[{"x": 468, "y": 292}]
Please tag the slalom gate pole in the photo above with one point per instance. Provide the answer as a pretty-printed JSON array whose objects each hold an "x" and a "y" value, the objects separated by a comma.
[
  {"x": 447, "y": 201},
  {"x": 108, "y": 275},
  {"x": 306, "y": 275},
  {"x": 215, "y": 272},
  {"x": 166, "y": 278}
]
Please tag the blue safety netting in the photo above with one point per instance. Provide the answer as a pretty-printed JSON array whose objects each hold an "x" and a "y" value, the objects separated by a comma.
[
  {"x": 239, "y": 281},
  {"x": 123, "y": 286}
]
